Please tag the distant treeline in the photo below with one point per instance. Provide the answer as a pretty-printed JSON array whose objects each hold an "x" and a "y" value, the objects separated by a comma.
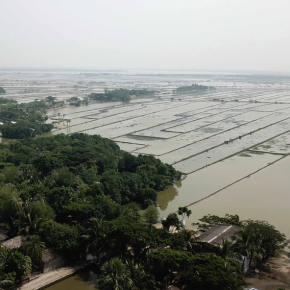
[
  {"x": 119, "y": 95},
  {"x": 193, "y": 87},
  {"x": 2, "y": 91},
  {"x": 24, "y": 120}
]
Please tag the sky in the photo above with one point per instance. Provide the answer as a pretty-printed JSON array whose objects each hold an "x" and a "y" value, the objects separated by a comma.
[{"x": 146, "y": 34}]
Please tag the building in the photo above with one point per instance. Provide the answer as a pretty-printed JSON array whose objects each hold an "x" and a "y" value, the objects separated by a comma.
[
  {"x": 218, "y": 233},
  {"x": 14, "y": 243}
]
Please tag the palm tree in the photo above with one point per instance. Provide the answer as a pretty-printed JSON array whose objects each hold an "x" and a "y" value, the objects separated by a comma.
[
  {"x": 94, "y": 236},
  {"x": 15, "y": 206},
  {"x": 228, "y": 253},
  {"x": 29, "y": 223},
  {"x": 34, "y": 247},
  {"x": 245, "y": 244},
  {"x": 142, "y": 280},
  {"x": 115, "y": 276}
]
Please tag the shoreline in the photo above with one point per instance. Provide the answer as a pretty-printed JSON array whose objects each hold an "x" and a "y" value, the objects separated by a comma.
[{"x": 47, "y": 279}]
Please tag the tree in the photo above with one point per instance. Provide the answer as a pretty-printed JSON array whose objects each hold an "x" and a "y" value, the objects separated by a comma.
[
  {"x": 212, "y": 220},
  {"x": 33, "y": 247},
  {"x": 115, "y": 276},
  {"x": 50, "y": 100},
  {"x": 20, "y": 264},
  {"x": 151, "y": 214},
  {"x": 94, "y": 236},
  {"x": 2, "y": 91},
  {"x": 184, "y": 211},
  {"x": 62, "y": 237},
  {"x": 209, "y": 272},
  {"x": 228, "y": 253},
  {"x": 258, "y": 240},
  {"x": 171, "y": 220},
  {"x": 166, "y": 261}
]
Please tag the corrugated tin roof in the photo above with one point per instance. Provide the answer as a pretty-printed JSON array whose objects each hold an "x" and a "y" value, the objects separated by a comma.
[{"x": 218, "y": 233}]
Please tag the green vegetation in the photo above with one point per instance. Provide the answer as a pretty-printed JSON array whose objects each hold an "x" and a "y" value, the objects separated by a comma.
[
  {"x": 23, "y": 120},
  {"x": 73, "y": 194},
  {"x": 119, "y": 95},
  {"x": 2, "y": 91},
  {"x": 193, "y": 87}
]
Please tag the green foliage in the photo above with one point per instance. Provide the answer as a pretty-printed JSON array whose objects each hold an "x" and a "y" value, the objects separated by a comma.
[
  {"x": 62, "y": 237},
  {"x": 20, "y": 264},
  {"x": 33, "y": 247},
  {"x": 171, "y": 220},
  {"x": 184, "y": 211},
  {"x": 193, "y": 87},
  {"x": 209, "y": 272},
  {"x": 2, "y": 91},
  {"x": 258, "y": 241},
  {"x": 118, "y": 95},
  {"x": 151, "y": 214},
  {"x": 23, "y": 120},
  {"x": 212, "y": 220},
  {"x": 115, "y": 276}
]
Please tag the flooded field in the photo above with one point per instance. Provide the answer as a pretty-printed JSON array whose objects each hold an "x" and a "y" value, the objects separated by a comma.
[{"x": 232, "y": 142}]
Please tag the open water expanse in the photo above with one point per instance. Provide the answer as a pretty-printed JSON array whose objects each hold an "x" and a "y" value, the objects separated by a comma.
[{"x": 233, "y": 142}]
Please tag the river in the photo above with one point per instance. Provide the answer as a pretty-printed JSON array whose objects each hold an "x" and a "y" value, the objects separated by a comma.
[{"x": 84, "y": 280}]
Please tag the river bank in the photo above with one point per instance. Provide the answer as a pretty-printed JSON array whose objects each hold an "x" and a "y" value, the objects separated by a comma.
[{"x": 42, "y": 281}]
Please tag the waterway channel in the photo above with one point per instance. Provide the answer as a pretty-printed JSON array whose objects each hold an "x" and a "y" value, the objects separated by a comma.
[{"x": 84, "y": 280}]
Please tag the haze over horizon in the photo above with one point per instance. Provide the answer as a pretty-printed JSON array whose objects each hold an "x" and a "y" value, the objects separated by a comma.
[{"x": 233, "y": 35}]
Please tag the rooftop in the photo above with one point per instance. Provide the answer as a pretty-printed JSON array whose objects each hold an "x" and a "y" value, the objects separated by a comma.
[
  {"x": 218, "y": 233},
  {"x": 13, "y": 243},
  {"x": 49, "y": 255}
]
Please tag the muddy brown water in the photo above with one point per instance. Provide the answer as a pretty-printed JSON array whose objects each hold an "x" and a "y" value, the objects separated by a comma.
[{"x": 84, "y": 280}]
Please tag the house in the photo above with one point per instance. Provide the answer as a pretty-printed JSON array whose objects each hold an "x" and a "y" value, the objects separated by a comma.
[
  {"x": 14, "y": 243},
  {"x": 218, "y": 233},
  {"x": 51, "y": 261}
]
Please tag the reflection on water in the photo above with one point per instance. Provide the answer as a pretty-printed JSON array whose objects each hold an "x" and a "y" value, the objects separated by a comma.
[
  {"x": 85, "y": 280},
  {"x": 263, "y": 195},
  {"x": 167, "y": 195}
]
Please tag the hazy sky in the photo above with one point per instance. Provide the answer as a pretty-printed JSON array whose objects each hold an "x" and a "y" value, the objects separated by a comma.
[{"x": 150, "y": 34}]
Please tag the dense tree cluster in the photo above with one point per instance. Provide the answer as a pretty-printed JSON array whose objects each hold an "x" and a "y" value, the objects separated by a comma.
[
  {"x": 24, "y": 120},
  {"x": 193, "y": 87},
  {"x": 119, "y": 95},
  {"x": 2, "y": 91},
  {"x": 74, "y": 194}
]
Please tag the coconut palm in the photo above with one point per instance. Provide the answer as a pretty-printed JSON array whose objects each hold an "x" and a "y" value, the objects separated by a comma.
[
  {"x": 142, "y": 280},
  {"x": 33, "y": 247},
  {"x": 229, "y": 254},
  {"x": 115, "y": 276},
  {"x": 245, "y": 244},
  {"x": 94, "y": 236}
]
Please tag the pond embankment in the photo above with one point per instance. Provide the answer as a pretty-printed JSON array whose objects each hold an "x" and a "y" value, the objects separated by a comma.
[{"x": 44, "y": 280}]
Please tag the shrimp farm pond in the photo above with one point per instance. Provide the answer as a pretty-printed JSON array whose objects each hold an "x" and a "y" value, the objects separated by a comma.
[{"x": 232, "y": 142}]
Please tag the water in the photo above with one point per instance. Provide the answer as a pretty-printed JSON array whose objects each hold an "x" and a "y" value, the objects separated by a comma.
[
  {"x": 84, "y": 280},
  {"x": 263, "y": 195}
]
